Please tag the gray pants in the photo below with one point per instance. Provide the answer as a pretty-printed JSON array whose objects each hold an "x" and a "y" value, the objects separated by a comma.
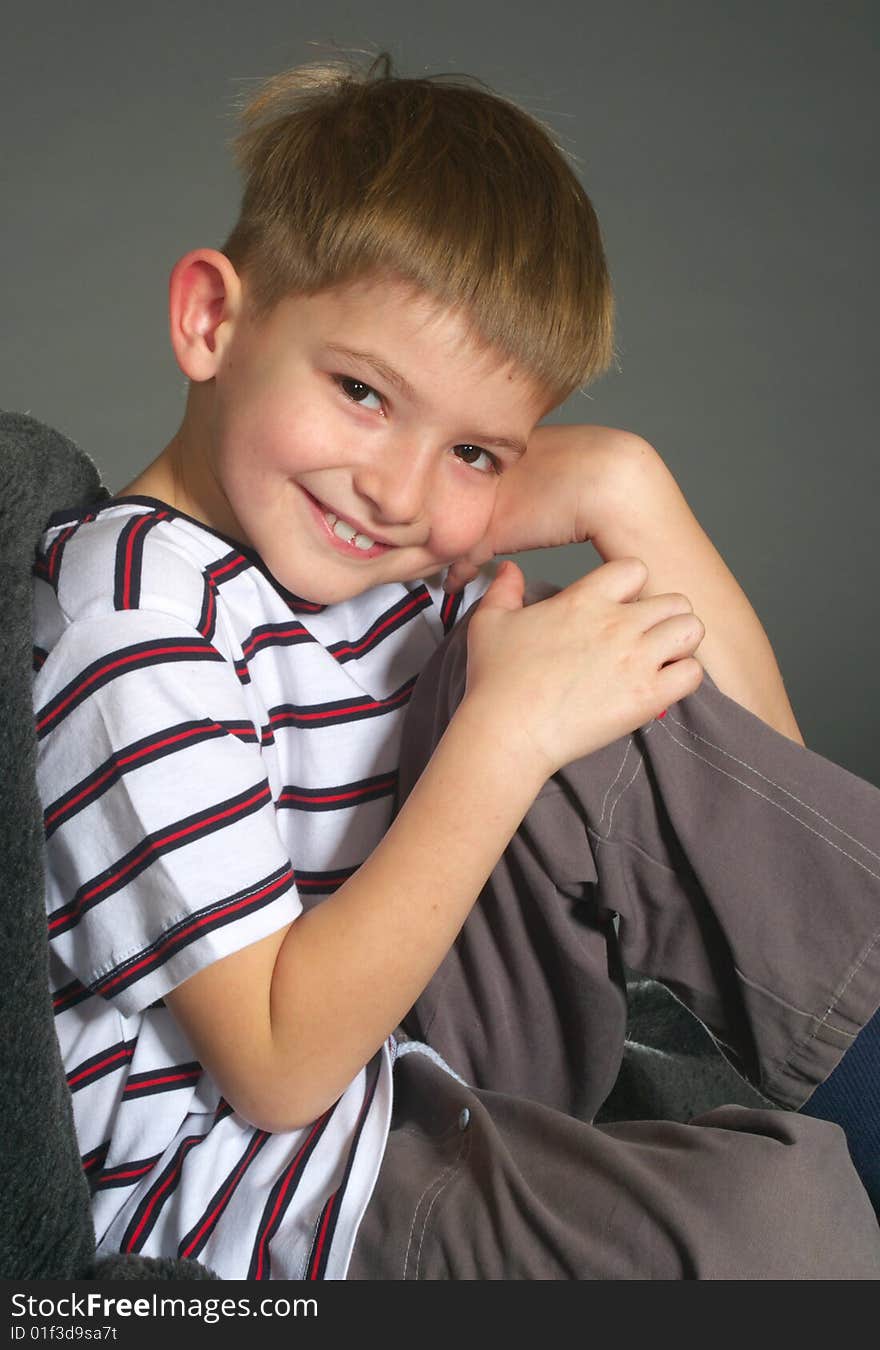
[{"x": 713, "y": 854}]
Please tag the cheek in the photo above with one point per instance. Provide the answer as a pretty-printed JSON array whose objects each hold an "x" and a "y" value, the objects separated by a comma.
[
  {"x": 275, "y": 442},
  {"x": 461, "y": 522}
]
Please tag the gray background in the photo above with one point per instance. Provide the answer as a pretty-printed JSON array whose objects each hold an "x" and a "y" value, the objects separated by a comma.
[{"x": 728, "y": 149}]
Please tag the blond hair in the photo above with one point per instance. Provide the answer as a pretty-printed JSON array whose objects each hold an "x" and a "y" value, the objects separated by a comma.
[{"x": 353, "y": 172}]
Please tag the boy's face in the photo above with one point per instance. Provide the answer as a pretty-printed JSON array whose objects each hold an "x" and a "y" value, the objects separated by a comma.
[{"x": 297, "y": 429}]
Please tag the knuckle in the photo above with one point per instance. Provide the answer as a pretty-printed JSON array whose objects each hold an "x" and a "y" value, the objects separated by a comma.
[{"x": 695, "y": 670}]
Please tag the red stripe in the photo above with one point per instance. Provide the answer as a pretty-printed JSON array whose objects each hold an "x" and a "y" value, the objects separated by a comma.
[
  {"x": 129, "y": 545},
  {"x": 93, "y": 1068},
  {"x": 152, "y": 846},
  {"x": 279, "y": 717},
  {"x": 199, "y": 923},
  {"x": 138, "y": 1083},
  {"x": 115, "y": 1172},
  {"x": 186, "y": 1146},
  {"x": 123, "y": 661},
  {"x": 209, "y": 1219},
  {"x": 335, "y": 797},
  {"x": 235, "y": 561},
  {"x": 322, "y": 1236},
  {"x": 253, "y": 643},
  {"x": 371, "y": 637},
  {"x": 128, "y": 759},
  {"x": 55, "y": 550},
  {"x": 290, "y": 1175},
  {"x": 209, "y": 613}
]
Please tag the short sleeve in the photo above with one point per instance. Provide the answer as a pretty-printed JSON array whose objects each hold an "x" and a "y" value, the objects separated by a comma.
[{"x": 162, "y": 849}]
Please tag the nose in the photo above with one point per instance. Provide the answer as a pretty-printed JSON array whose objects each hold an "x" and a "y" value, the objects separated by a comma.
[{"x": 396, "y": 482}]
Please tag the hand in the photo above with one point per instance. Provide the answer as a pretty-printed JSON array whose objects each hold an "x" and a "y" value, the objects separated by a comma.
[
  {"x": 553, "y": 496},
  {"x": 572, "y": 673}
]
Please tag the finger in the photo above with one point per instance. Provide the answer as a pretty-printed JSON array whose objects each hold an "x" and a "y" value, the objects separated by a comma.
[
  {"x": 459, "y": 575},
  {"x": 506, "y": 589},
  {"x": 654, "y": 609},
  {"x": 675, "y": 635},
  {"x": 620, "y": 579}
]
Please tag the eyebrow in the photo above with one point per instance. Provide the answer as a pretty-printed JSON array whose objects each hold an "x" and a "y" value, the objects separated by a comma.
[{"x": 395, "y": 378}]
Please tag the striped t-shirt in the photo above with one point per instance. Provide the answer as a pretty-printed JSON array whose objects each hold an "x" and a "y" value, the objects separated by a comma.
[{"x": 215, "y": 754}]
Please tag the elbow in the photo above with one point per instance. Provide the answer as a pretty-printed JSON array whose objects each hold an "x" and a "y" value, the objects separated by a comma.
[{"x": 281, "y": 1103}]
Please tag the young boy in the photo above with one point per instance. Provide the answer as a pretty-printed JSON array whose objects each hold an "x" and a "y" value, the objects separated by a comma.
[{"x": 239, "y": 920}]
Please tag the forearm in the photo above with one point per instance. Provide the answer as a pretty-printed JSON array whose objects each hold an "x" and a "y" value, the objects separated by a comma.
[
  {"x": 647, "y": 517},
  {"x": 368, "y": 951}
]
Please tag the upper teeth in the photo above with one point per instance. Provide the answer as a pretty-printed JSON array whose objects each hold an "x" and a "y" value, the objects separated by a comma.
[{"x": 343, "y": 530}]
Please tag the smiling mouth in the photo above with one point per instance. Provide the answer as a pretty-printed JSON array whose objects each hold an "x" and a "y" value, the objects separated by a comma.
[
  {"x": 347, "y": 535},
  {"x": 343, "y": 529}
]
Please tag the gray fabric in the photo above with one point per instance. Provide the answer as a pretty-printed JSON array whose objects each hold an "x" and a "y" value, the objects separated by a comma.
[
  {"x": 518, "y": 1191},
  {"x": 708, "y": 852}
]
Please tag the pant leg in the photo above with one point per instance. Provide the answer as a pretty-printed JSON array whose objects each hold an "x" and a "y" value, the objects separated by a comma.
[
  {"x": 706, "y": 850},
  {"x": 479, "y": 1185},
  {"x": 738, "y": 868}
]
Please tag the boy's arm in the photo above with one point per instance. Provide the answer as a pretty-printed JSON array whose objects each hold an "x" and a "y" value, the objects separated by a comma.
[
  {"x": 611, "y": 487},
  {"x": 645, "y": 515},
  {"x": 285, "y": 1024}
]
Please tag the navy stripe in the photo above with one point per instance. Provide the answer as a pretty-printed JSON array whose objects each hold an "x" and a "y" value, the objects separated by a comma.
[
  {"x": 130, "y": 559},
  {"x": 339, "y": 711},
  {"x": 125, "y": 1174},
  {"x": 323, "y": 883},
  {"x": 177, "y": 834},
  {"x": 280, "y": 1198},
  {"x": 449, "y": 609},
  {"x": 169, "y": 1078},
  {"x": 139, "y": 656},
  {"x": 47, "y": 563},
  {"x": 109, "y": 1060},
  {"x": 274, "y": 635},
  {"x": 193, "y": 1242},
  {"x": 339, "y": 797},
  {"x": 68, "y": 996},
  {"x": 317, "y": 1263},
  {"x": 125, "y": 760},
  {"x": 93, "y": 1161},
  {"x": 393, "y": 619},
  {"x": 227, "y": 568},
  {"x": 146, "y": 1215},
  {"x": 208, "y": 615},
  {"x": 241, "y": 556},
  {"x": 249, "y": 900}
]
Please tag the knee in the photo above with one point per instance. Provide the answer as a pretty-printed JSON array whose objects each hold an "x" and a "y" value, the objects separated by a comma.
[{"x": 794, "y": 1206}]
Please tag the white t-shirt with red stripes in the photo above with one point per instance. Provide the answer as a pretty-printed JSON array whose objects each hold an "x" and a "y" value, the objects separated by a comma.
[{"x": 214, "y": 756}]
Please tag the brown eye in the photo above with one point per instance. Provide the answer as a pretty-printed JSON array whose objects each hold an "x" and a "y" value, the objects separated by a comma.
[
  {"x": 355, "y": 390},
  {"x": 472, "y": 454}
]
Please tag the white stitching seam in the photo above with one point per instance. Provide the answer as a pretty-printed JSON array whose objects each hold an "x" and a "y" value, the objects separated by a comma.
[
  {"x": 841, "y": 990},
  {"x": 779, "y": 807},
  {"x": 646, "y": 731},
  {"x": 792, "y": 1007},
  {"x": 614, "y": 780},
  {"x": 447, "y": 1173},
  {"x": 838, "y": 993},
  {"x": 452, "y": 1170},
  {"x": 696, "y": 736}
]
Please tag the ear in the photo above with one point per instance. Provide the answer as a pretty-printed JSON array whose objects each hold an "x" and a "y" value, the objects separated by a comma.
[{"x": 205, "y": 298}]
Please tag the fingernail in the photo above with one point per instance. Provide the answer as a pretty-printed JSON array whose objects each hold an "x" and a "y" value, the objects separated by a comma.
[{"x": 664, "y": 712}]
